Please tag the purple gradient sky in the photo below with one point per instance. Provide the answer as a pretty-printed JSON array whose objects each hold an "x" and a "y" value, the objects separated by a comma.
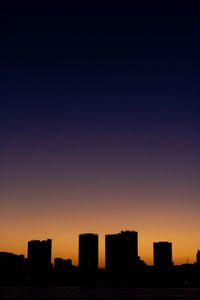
[{"x": 100, "y": 126}]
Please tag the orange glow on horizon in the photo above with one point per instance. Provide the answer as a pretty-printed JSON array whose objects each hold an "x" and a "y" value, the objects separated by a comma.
[
  {"x": 65, "y": 240},
  {"x": 154, "y": 220}
]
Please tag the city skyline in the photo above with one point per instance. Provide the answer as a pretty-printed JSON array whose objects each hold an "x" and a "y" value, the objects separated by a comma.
[
  {"x": 99, "y": 124},
  {"x": 168, "y": 252},
  {"x": 123, "y": 266}
]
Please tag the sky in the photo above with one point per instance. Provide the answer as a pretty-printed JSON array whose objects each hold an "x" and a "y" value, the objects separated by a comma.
[{"x": 99, "y": 124}]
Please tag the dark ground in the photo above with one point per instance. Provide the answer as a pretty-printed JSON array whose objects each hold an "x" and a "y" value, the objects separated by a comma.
[{"x": 17, "y": 293}]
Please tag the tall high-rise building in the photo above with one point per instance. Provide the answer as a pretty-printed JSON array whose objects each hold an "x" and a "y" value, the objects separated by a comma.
[
  {"x": 163, "y": 255},
  {"x": 39, "y": 253},
  {"x": 88, "y": 252},
  {"x": 121, "y": 251}
]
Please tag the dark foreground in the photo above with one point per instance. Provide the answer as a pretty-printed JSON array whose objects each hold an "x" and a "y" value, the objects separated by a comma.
[{"x": 62, "y": 293}]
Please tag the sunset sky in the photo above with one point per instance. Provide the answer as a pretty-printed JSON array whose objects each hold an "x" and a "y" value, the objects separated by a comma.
[{"x": 99, "y": 125}]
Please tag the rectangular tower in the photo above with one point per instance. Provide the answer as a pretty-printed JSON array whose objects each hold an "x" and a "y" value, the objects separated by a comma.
[
  {"x": 39, "y": 253},
  {"x": 163, "y": 255},
  {"x": 88, "y": 252},
  {"x": 121, "y": 251}
]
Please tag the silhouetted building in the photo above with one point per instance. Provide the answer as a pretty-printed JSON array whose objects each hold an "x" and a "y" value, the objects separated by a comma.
[
  {"x": 64, "y": 272},
  {"x": 10, "y": 260},
  {"x": 198, "y": 257},
  {"x": 163, "y": 255},
  {"x": 39, "y": 254},
  {"x": 121, "y": 251},
  {"x": 11, "y": 267},
  {"x": 88, "y": 252},
  {"x": 60, "y": 263}
]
